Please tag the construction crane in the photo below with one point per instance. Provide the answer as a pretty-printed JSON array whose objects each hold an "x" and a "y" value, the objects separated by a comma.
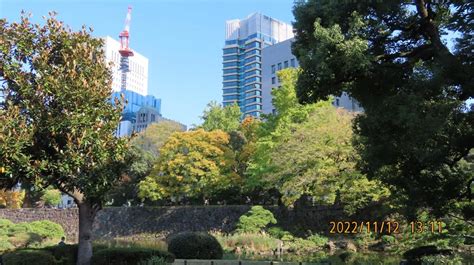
[{"x": 125, "y": 51}]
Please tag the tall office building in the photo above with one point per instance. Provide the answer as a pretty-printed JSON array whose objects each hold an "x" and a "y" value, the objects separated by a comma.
[
  {"x": 139, "y": 105},
  {"x": 278, "y": 57},
  {"x": 242, "y": 59},
  {"x": 137, "y": 78}
]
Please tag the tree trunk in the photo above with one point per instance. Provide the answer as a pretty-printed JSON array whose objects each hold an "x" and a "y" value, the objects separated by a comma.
[{"x": 87, "y": 213}]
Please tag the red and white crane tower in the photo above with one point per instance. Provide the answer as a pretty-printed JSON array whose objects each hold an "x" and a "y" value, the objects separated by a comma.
[{"x": 125, "y": 50}]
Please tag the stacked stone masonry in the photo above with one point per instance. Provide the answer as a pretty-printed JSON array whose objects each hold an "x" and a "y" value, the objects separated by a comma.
[{"x": 161, "y": 221}]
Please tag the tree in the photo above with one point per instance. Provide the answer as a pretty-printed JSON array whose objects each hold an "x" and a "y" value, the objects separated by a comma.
[
  {"x": 217, "y": 117},
  {"x": 126, "y": 190},
  {"x": 392, "y": 58},
  {"x": 319, "y": 160},
  {"x": 57, "y": 125},
  {"x": 308, "y": 150},
  {"x": 194, "y": 164},
  {"x": 277, "y": 127},
  {"x": 51, "y": 197},
  {"x": 156, "y": 135},
  {"x": 11, "y": 198}
]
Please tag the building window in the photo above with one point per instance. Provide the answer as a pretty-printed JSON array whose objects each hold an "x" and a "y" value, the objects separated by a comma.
[
  {"x": 293, "y": 62},
  {"x": 337, "y": 102},
  {"x": 273, "y": 69},
  {"x": 286, "y": 64},
  {"x": 273, "y": 80},
  {"x": 279, "y": 66}
]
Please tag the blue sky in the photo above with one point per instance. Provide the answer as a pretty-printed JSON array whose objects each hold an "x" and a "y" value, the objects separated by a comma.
[{"x": 183, "y": 40}]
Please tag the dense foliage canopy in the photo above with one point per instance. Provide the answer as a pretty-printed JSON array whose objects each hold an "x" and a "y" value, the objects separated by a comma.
[{"x": 410, "y": 66}]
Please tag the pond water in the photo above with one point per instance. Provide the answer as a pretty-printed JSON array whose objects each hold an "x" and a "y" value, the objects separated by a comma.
[{"x": 322, "y": 257}]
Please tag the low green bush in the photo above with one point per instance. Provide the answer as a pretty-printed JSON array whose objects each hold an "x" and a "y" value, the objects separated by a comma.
[
  {"x": 247, "y": 242},
  {"x": 195, "y": 245},
  {"x": 278, "y": 232},
  {"x": 28, "y": 235},
  {"x": 128, "y": 256},
  {"x": 5, "y": 226},
  {"x": 319, "y": 240},
  {"x": 29, "y": 257},
  {"x": 387, "y": 239},
  {"x": 154, "y": 261},
  {"x": 5, "y": 244},
  {"x": 64, "y": 254},
  {"x": 47, "y": 229},
  {"x": 255, "y": 220}
]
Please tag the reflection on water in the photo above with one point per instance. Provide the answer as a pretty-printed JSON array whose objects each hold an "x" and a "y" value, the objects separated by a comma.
[{"x": 322, "y": 257}]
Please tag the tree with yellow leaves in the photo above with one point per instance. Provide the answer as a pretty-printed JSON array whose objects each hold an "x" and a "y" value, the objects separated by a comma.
[
  {"x": 194, "y": 164},
  {"x": 11, "y": 199}
]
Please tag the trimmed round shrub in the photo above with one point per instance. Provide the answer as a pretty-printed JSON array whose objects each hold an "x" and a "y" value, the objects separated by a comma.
[
  {"x": 255, "y": 220},
  {"x": 28, "y": 257},
  {"x": 128, "y": 256},
  {"x": 195, "y": 245}
]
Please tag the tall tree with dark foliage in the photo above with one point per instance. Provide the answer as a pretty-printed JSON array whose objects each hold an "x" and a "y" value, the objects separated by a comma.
[{"x": 394, "y": 58}]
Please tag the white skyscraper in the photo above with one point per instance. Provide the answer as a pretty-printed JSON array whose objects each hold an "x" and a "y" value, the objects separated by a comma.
[{"x": 137, "y": 78}]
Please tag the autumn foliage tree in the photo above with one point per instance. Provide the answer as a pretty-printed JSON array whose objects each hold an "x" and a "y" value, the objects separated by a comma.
[
  {"x": 194, "y": 164},
  {"x": 11, "y": 198},
  {"x": 57, "y": 125}
]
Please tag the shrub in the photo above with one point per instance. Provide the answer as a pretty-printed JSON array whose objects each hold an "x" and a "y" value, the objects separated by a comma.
[
  {"x": 193, "y": 245},
  {"x": 64, "y": 254},
  {"x": 5, "y": 225},
  {"x": 319, "y": 240},
  {"x": 25, "y": 239},
  {"x": 19, "y": 228},
  {"x": 128, "y": 256},
  {"x": 278, "y": 232},
  {"x": 388, "y": 239},
  {"x": 5, "y": 244},
  {"x": 28, "y": 257},
  {"x": 253, "y": 243},
  {"x": 47, "y": 229},
  {"x": 255, "y": 220},
  {"x": 154, "y": 261}
]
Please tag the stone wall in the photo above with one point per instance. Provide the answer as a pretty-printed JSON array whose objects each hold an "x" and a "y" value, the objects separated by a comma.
[
  {"x": 67, "y": 218},
  {"x": 128, "y": 221}
]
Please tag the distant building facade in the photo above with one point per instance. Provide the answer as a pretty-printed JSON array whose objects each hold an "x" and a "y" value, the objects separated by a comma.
[
  {"x": 242, "y": 59},
  {"x": 137, "y": 78},
  {"x": 140, "y": 108},
  {"x": 279, "y": 56}
]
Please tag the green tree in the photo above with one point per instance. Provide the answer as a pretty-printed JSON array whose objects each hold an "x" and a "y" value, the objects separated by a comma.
[
  {"x": 255, "y": 220},
  {"x": 308, "y": 150},
  {"x": 194, "y": 164},
  {"x": 51, "y": 197},
  {"x": 156, "y": 135},
  {"x": 276, "y": 128},
  {"x": 57, "y": 125},
  {"x": 319, "y": 160},
  {"x": 126, "y": 190},
  {"x": 392, "y": 58},
  {"x": 216, "y": 117}
]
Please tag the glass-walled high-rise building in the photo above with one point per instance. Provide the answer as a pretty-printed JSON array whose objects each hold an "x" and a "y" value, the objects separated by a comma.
[{"x": 242, "y": 59}]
